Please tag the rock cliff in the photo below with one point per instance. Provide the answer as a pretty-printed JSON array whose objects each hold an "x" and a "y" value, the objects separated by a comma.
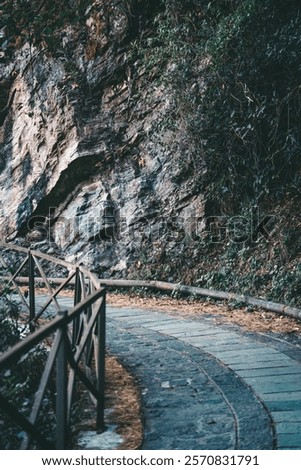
[{"x": 85, "y": 162}]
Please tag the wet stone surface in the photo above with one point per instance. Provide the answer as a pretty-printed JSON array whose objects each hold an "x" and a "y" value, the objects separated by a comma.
[{"x": 190, "y": 400}]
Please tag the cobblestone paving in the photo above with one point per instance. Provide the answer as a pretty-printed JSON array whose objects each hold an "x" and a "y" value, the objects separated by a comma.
[{"x": 209, "y": 387}]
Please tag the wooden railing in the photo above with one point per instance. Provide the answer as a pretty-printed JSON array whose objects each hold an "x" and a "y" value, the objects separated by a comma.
[{"x": 76, "y": 336}]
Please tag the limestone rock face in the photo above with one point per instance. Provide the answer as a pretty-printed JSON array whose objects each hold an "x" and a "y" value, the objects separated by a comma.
[
  {"x": 83, "y": 161},
  {"x": 39, "y": 142}
]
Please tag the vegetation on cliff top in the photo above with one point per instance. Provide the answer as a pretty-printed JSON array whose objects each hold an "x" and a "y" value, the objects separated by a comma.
[
  {"x": 236, "y": 75},
  {"x": 235, "y": 70}
]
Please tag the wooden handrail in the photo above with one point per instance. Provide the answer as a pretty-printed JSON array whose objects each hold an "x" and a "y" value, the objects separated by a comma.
[
  {"x": 26, "y": 344},
  {"x": 270, "y": 306},
  {"x": 85, "y": 336}
]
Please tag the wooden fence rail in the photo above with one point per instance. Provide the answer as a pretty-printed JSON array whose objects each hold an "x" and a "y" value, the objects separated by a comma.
[{"x": 77, "y": 338}]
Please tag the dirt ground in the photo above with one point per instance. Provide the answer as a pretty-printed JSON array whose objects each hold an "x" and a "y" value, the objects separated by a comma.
[
  {"x": 122, "y": 399},
  {"x": 123, "y": 396},
  {"x": 249, "y": 319}
]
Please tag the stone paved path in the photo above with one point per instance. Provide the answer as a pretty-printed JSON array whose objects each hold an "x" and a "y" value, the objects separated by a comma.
[{"x": 207, "y": 386}]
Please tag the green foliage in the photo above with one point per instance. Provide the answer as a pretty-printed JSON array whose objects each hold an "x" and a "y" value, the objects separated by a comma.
[
  {"x": 286, "y": 285},
  {"x": 19, "y": 384},
  {"x": 9, "y": 332},
  {"x": 252, "y": 106},
  {"x": 234, "y": 68}
]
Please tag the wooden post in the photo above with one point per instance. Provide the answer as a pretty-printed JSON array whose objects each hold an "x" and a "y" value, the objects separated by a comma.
[
  {"x": 77, "y": 299},
  {"x": 101, "y": 340},
  {"x": 62, "y": 389},
  {"x": 32, "y": 308},
  {"x": 78, "y": 289}
]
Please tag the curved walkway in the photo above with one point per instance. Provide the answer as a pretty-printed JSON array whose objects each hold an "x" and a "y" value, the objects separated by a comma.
[
  {"x": 206, "y": 386},
  {"x": 209, "y": 387}
]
